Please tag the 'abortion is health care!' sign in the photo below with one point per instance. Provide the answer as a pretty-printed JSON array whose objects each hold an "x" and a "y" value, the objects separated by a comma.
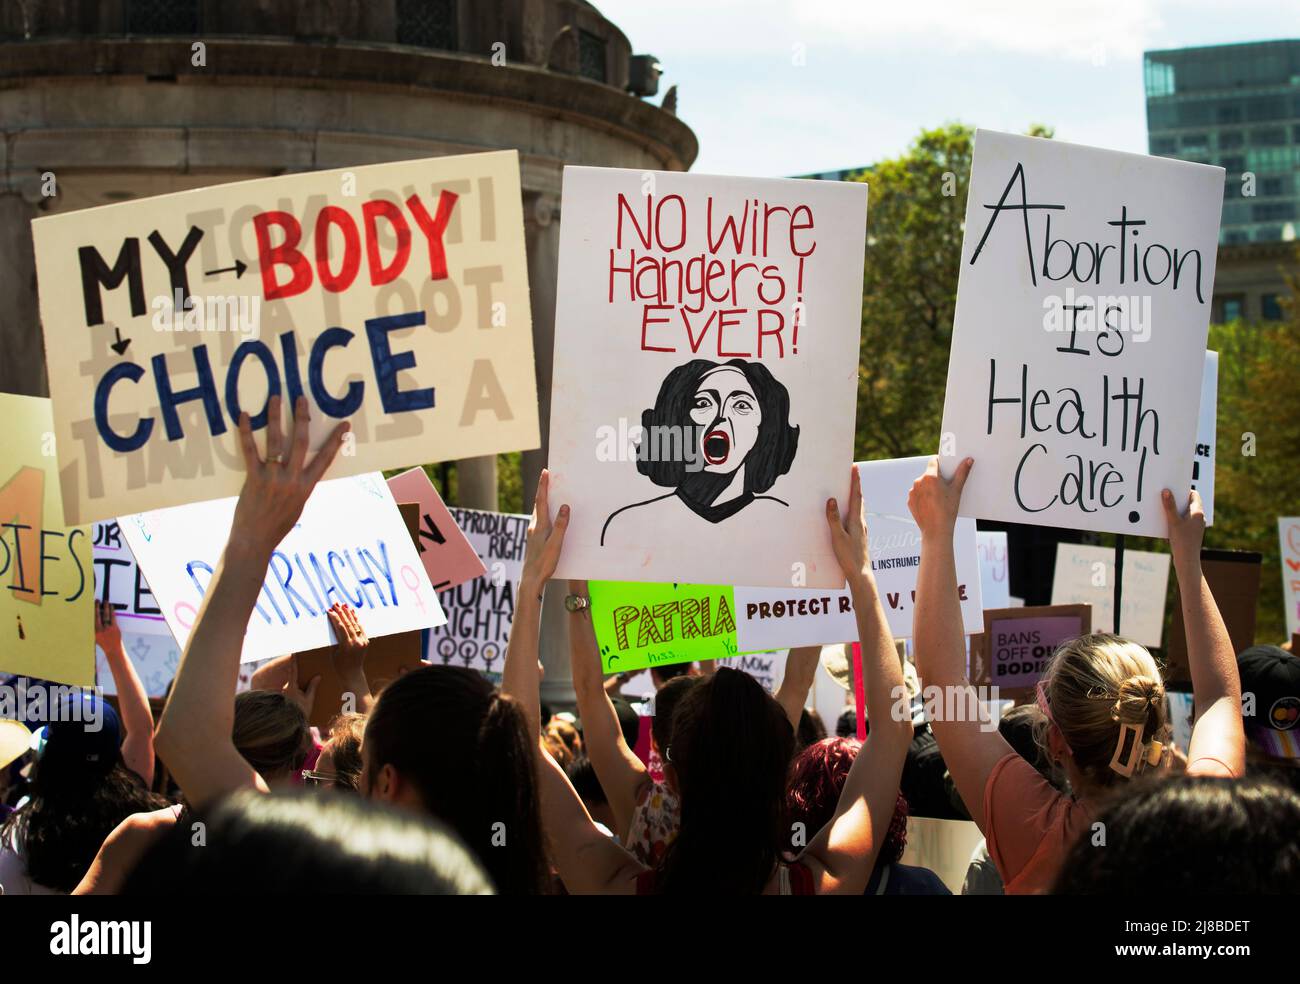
[
  {"x": 481, "y": 610},
  {"x": 1078, "y": 344},
  {"x": 350, "y": 545},
  {"x": 774, "y": 618},
  {"x": 705, "y": 383},
  {"x": 394, "y": 296}
]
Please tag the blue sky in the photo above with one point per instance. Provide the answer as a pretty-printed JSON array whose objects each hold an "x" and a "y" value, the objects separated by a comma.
[{"x": 874, "y": 74}]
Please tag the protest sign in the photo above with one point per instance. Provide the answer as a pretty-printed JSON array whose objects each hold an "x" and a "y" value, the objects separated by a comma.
[
  {"x": 394, "y": 296},
  {"x": 772, "y": 618},
  {"x": 767, "y": 668},
  {"x": 995, "y": 572},
  {"x": 480, "y": 611},
  {"x": 145, "y": 636},
  {"x": 1288, "y": 533},
  {"x": 350, "y": 545},
  {"x": 386, "y": 659},
  {"x": 1233, "y": 578},
  {"x": 706, "y": 354},
  {"x": 1078, "y": 343},
  {"x": 1018, "y": 642},
  {"x": 641, "y": 625},
  {"x": 47, "y": 624},
  {"x": 1086, "y": 575},
  {"x": 449, "y": 558},
  {"x": 1203, "y": 463}
]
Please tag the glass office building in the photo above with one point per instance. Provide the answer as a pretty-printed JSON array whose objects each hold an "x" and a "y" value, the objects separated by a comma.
[{"x": 1237, "y": 106}]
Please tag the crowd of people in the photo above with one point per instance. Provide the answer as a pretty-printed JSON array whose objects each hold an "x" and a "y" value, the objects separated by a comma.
[{"x": 444, "y": 783}]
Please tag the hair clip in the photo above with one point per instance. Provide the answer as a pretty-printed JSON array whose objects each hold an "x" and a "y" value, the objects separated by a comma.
[
  {"x": 1125, "y": 765},
  {"x": 1155, "y": 752}
]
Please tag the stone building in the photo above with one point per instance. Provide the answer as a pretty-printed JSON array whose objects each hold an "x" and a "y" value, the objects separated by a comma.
[{"x": 118, "y": 99}]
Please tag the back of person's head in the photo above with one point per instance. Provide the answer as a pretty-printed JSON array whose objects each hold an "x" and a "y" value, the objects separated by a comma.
[
  {"x": 567, "y": 733},
  {"x": 1095, "y": 686},
  {"x": 730, "y": 753},
  {"x": 582, "y": 774},
  {"x": 660, "y": 675},
  {"x": 811, "y": 728},
  {"x": 846, "y": 725},
  {"x": 80, "y": 790},
  {"x": 343, "y": 749},
  {"x": 666, "y": 700},
  {"x": 271, "y": 733},
  {"x": 817, "y": 778},
  {"x": 629, "y": 721},
  {"x": 1019, "y": 727},
  {"x": 1189, "y": 835},
  {"x": 292, "y": 842},
  {"x": 470, "y": 755},
  {"x": 1270, "y": 691}
]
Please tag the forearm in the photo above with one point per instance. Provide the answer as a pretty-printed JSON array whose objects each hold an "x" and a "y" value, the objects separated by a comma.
[
  {"x": 800, "y": 669},
  {"x": 937, "y": 625},
  {"x": 137, "y": 717},
  {"x": 882, "y": 672},
  {"x": 1210, "y": 655},
  {"x": 519, "y": 678}
]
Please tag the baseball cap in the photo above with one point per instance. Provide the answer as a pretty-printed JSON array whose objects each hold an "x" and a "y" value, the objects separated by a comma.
[
  {"x": 1272, "y": 675},
  {"x": 73, "y": 739}
]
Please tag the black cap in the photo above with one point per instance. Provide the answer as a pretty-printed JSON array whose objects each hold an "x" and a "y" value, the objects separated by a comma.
[{"x": 1272, "y": 676}]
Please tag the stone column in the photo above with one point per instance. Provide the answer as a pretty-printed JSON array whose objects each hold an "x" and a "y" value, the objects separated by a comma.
[{"x": 22, "y": 353}]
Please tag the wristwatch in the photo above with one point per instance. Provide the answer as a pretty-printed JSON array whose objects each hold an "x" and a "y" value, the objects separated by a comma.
[{"x": 577, "y": 603}]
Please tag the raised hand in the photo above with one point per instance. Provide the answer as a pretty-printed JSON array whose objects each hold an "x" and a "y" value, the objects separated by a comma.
[
  {"x": 1186, "y": 533},
  {"x": 849, "y": 536},
  {"x": 108, "y": 635},
  {"x": 934, "y": 500},
  {"x": 349, "y": 654},
  {"x": 276, "y": 489},
  {"x": 303, "y": 697},
  {"x": 545, "y": 541}
]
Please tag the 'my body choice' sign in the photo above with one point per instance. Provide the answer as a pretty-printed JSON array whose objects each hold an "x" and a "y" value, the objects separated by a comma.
[
  {"x": 394, "y": 296},
  {"x": 1078, "y": 344}
]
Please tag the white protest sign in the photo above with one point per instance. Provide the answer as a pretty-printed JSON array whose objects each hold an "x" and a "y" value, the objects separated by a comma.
[
  {"x": 1288, "y": 533},
  {"x": 1203, "y": 463},
  {"x": 481, "y": 610},
  {"x": 995, "y": 571},
  {"x": 772, "y": 618},
  {"x": 705, "y": 383},
  {"x": 394, "y": 296},
  {"x": 1086, "y": 575},
  {"x": 350, "y": 545},
  {"x": 767, "y": 668},
  {"x": 145, "y": 636},
  {"x": 1078, "y": 344}
]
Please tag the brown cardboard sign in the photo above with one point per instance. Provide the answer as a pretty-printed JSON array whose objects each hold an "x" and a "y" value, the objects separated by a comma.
[
  {"x": 1018, "y": 642},
  {"x": 1233, "y": 577}
]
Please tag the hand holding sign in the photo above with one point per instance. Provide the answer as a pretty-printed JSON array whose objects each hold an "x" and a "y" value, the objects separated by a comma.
[
  {"x": 849, "y": 536},
  {"x": 275, "y": 490},
  {"x": 349, "y": 655},
  {"x": 934, "y": 500},
  {"x": 108, "y": 635},
  {"x": 1185, "y": 532}
]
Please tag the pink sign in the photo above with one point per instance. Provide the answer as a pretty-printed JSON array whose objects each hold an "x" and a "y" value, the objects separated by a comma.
[
  {"x": 449, "y": 559},
  {"x": 1019, "y": 648}
]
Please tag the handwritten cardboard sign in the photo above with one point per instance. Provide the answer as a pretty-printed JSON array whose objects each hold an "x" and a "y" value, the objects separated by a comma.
[
  {"x": 1086, "y": 575},
  {"x": 1078, "y": 345},
  {"x": 641, "y": 625},
  {"x": 46, "y": 616},
  {"x": 350, "y": 545},
  {"x": 768, "y": 668},
  {"x": 705, "y": 382},
  {"x": 393, "y": 295},
  {"x": 995, "y": 570},
  {"x": 1018, "y": 642},
  {"x": 480, "y": 611},
  {"x": 1233, "y": 579},
  {"x": 449, "y": 558},
  {"x": 773, "y": 618}
]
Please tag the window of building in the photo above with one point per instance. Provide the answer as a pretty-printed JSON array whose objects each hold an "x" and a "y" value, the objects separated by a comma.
[
  {"x": 1198, "y": 141},
  {"x": 1270, "y": 307},
  {"x": 162, "y": 17},
  {"x": 1229, "y": 139},
  {"x": 1230, "y": 308},
  {"x": 1273, "y": 211},
  {"x": 1234, "y": 165},
  {"x": 1272, "y": 187},
  {"x": 1164, "y": 145},
  {"x": 1159, "y": 78},
  {"x": 1274, "y": 136},
  {"x": 591, "y": 56},
  {"x": 1229, "y": 113},
  {"x": 427, "y": 23}
]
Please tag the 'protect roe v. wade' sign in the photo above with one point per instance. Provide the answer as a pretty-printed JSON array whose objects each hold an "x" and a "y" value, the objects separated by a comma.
[
  {"x": 394, "y": 296},
  {"x": 1079, "y": 339}
]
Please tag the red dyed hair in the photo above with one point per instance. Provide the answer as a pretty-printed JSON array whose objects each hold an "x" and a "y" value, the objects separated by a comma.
[{"x": 816, "y": 780}]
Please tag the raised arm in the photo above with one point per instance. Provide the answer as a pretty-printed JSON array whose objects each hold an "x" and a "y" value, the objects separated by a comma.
[
  {"x": 622, "y": 775},
  {"x": 349, "y": 655},
  {"x": 194, "y": 737},
  {"x": 521, "y": 678},
  {"x": 800, "y": 669},
  {"x": 970, "y": 748},
  {"x": 843, "y": 853},
  {"x": 1218, "y": 744},
  {"x": 132, "y": 701}
]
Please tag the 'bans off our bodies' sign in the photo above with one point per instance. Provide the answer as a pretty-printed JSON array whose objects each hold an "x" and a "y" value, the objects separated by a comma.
[
  {"x": 394, "y": 296},
  {"x": 706, "y": 354},
  {"x": 1079, "y": 340}
]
